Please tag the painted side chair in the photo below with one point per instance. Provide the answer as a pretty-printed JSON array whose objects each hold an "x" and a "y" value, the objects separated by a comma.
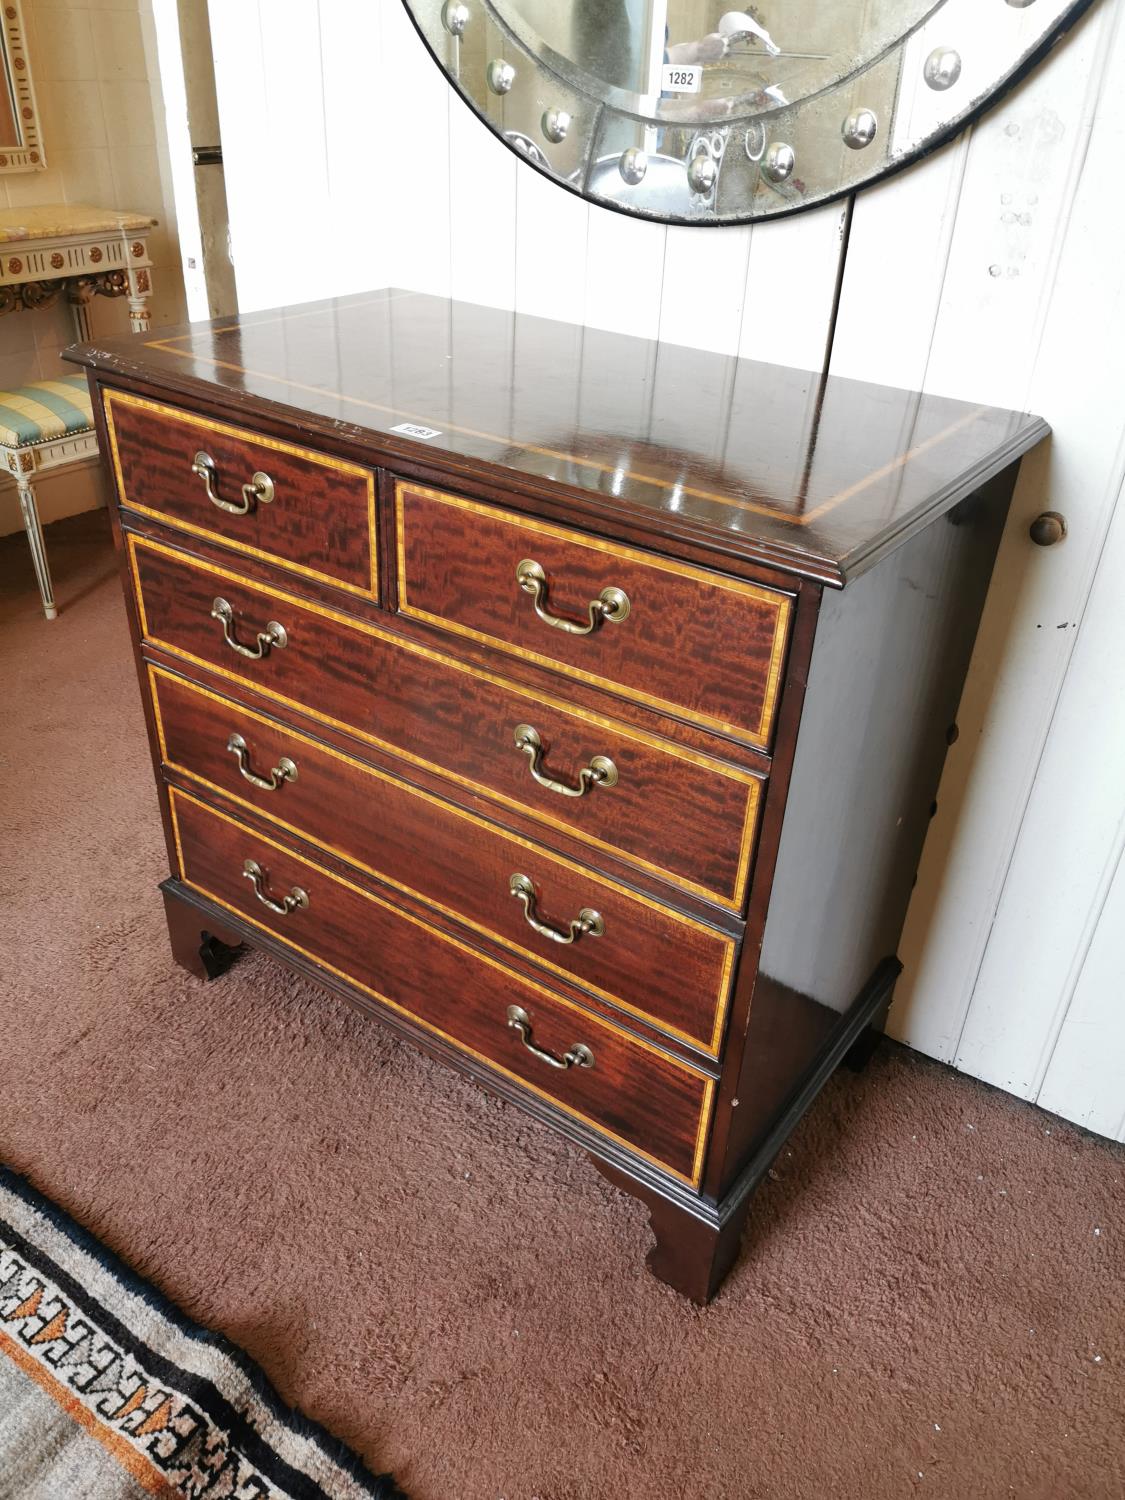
[{"x": 45, "y": 425}]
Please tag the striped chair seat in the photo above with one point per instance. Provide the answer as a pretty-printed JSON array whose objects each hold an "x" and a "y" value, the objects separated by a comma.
[{"x": 44, "y": 411}]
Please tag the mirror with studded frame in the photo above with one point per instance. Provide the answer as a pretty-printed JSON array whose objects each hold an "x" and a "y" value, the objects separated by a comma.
[{"x": 690, "y": 111}]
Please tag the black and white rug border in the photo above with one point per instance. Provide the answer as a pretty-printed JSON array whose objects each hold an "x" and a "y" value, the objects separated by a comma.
[{"x": 188, "y": 1357}]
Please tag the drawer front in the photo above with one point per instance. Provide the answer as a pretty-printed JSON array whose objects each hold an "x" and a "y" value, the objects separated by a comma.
[
  {"x": 689, "y": 642},
  {"x": 631, "y": 951},
  {"x": 319, "y": 523},
  {"x": 672, "y": 811},
  {"x": 638, "y": 1095}
]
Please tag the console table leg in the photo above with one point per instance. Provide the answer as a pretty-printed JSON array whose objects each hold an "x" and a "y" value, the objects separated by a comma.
[
  {"x": 138, "y": 314},
  {"x": 80, "y": 312},
  {"x": 140, "y": 290},
  {"x": 198, "y": 945}
]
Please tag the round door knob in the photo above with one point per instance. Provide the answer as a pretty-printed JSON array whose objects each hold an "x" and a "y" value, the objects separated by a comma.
[{"x": 1048, "y": 528}]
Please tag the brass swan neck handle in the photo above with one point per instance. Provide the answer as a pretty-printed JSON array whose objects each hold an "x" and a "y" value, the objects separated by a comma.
[
  {"x": 612, "y": 604},
  {"x": 600, "y": 772},
  {"x": 588, "y": 923},
  {"x": 578, "y": 1056},
  {"x": 260, "y": 490}
]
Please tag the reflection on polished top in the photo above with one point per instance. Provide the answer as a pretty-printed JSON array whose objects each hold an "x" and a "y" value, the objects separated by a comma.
[{"x": 819, "y": 476}]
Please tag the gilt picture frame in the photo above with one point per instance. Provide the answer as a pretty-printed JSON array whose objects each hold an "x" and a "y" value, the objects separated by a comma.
[{"x": 21, "y": 144}]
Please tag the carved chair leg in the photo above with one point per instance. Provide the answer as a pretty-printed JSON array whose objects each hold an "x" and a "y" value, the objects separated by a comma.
[
  {"x": 31, "y": 524},
  {"x": 692, "y": 1254},
  {"x": 198, "y": 944}
]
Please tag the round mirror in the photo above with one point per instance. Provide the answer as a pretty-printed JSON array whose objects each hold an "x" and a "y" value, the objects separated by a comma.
[{"x": 689, "y": 111}]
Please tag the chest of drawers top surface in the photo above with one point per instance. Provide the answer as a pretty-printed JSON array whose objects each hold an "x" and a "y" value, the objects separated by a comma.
[{"x": 817, "y": 476}]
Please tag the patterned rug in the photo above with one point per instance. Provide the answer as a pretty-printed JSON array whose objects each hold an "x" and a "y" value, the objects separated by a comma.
[{"x": 107, "y": 1392}]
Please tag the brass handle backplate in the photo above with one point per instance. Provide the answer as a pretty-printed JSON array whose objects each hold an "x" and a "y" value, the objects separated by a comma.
[
  {"x": 285, "y": 770},
  {"x": 297, "y": 899},
  {"x": 579, "y": 1056},
  {"x": 588, "y": 923},
  {"x": 600, "y": 772},
  {"x": 273, "y": 635},
  {"x": 260, "y": 488},
  {"x": 611, "y": 604}
]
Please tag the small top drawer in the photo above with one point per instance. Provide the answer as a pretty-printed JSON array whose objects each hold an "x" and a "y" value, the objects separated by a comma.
[
  {"x": 311, "y": 512},
  {"x": 686, "y": 641}
]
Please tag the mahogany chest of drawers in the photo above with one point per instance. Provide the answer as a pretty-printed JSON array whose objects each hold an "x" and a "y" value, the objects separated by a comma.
[{"x": 575, "y": 705}]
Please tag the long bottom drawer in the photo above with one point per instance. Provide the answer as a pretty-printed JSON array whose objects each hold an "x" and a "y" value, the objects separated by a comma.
[{"x": 638, "y": 1095}]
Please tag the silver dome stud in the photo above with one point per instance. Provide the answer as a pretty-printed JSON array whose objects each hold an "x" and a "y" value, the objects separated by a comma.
[
  {"x": 860, "y": 129},
  {"x": 556, "y": 123},
  {"x": 455, "y": 17},
  {"x": 702, "y": 173},
  {"x": 501, "y": 76},
  {"x": 633, "y": 165},
  {"x": 942, "y": 68},
  {"x": 779, "y": 162}
]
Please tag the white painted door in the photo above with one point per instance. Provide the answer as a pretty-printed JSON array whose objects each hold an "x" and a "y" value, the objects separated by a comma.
[
  {"x": 990, "y": 272},
  {"x": 187, "y": 74}
]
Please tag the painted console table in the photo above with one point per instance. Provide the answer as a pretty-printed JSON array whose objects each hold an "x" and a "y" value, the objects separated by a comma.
[
  {"x": 82, "y": 252},
  {"x": 78, "y": 250}
]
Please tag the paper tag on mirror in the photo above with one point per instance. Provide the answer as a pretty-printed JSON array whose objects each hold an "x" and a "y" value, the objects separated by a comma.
[
  {"x": 412, "y": 429},
  {"x": 679, "y": 78}
]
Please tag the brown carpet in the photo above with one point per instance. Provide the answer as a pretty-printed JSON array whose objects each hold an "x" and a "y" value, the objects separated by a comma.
[{"x": 929, "y": 1300}]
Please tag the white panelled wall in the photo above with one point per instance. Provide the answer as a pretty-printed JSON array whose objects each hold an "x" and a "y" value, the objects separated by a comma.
[{"x": 991, "y": 272}]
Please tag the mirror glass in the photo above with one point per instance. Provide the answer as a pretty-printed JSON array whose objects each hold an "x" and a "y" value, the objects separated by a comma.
[
  {"x": 690, "y": 111},
  {"x": 779, "y": 51}
]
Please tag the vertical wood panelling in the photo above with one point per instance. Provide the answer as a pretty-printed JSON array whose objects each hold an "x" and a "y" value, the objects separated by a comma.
[
  {"x": 482, "y": 210},
  {"x": 1025, "y": 162},
  {"x": 552, "y": 231},
  {"x": 704, "y": 287},
  {"x": 1068, "y": 848},
  {"x": 1023, "y": 981},
  {"x": 295, "y": 121},
  {"x": 1083, "y": 1081},
  {"x": 1027, "y": 632},
  {"x": 408, "y": 159},
  {"x": 355, "y": 80},
  {"x": 791, "y": 288},
  {"x": 624, "y": 273},
  {"x": 987, "y": 272},
  {"x": 897, "y": 255}
]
